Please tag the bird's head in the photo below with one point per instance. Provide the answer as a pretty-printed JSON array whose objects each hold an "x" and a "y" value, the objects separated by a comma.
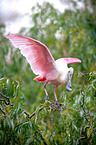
[{"x": 70, "y": 70}]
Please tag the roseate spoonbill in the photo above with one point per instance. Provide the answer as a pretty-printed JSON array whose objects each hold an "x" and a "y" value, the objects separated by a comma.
[{"x": 43, "y": 64}]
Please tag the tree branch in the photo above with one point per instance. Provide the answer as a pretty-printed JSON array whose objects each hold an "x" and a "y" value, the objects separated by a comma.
[
  {"x": 44, "y": 141},
  {"x": 41, "y": 108},
  {"x": 82, "y": 89},
  {"x": 2, "y": 110},
  {"x": 6, "y": 98},
  {"x": 47, "y": 105},
  {"x": 38, "y": 132}
]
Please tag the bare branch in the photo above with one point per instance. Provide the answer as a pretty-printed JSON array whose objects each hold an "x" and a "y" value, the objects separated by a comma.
[
  {"x": 4, "y": 95},
  {"x": 44, "y": 141},
  {"x": 83, "y": 102},
  {"x": 6, "y": 98},
  {"x": 38, "y": 132},
  {"x": 2, "y": 110},
  {"x": 41, "y": 108},
  {"x": 48, "y": 105},
  {"x": 84, "y": 137}
]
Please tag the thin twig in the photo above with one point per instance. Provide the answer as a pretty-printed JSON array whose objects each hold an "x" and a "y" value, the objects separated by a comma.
[
  {"x": 4, "y": 101},
  {"x": 52, "y": 106},
  {"x": 41, "y": 108},
  {"x": 38, "y": 132},
  {"x": 44, "y": 141},
  {"x": 84, "y": 137},
  {"x": 4, "y": 95},
  {"x": 7, "y": 98},
  {"x": 2, "y": 110},
  {"x": 83, "y": 96}
]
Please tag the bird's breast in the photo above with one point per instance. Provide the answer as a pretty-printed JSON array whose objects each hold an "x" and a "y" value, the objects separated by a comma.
[
  {"x": 62, "y": 70},
  {"x": 63, "y": 78}
]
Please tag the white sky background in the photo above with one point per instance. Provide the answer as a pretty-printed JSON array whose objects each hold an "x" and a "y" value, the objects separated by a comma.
[
  {"x": 24, "y": 6},
  {"x": 18, "y": 9}
]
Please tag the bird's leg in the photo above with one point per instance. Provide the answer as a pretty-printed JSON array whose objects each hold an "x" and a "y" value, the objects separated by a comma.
[
  {"x": 55, "y": 94},
  {"x": 68, "y": 87},
  {"x": 47, "y": 97}
]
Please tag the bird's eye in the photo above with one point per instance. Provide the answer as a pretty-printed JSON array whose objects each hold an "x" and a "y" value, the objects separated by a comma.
[{"x": 70, "y": 71}]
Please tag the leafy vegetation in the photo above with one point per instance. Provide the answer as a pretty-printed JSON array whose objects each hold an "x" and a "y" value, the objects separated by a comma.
[{"x": 25, "y": 116}]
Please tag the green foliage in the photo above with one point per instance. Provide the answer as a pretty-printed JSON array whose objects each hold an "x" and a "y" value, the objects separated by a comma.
[
  {"x": 25, "y": 116},
  {"x": 71, "y": 122}
]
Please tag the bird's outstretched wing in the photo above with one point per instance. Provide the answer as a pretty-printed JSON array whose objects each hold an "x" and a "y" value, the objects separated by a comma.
[{"x": 37, "y": 54}]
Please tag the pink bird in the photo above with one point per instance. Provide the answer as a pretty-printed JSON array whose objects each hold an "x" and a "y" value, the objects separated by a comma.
[{"x": 43, "y": 64}]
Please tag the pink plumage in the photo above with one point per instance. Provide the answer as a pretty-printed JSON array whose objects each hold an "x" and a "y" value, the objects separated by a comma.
[{"x": 42, "y": 62}]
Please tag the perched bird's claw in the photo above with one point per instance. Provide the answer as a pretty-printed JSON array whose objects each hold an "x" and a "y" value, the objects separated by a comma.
[
  {"x": 47, "y": 98},
  {"x": 56, "y": 103}
]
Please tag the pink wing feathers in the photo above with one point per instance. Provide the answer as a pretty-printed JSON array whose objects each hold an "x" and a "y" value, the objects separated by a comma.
[{"x": 37, "y": 54}]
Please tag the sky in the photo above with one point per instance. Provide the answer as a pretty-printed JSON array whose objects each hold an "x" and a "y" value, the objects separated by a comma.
[
  {"x": 24, "y": 6},
  {"x": 13, "y": 12}
]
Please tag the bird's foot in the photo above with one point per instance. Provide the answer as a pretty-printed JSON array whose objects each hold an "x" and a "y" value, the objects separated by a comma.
[
  {"x": 56, "y": 103},
  {"x": 47, "y": 98}
]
